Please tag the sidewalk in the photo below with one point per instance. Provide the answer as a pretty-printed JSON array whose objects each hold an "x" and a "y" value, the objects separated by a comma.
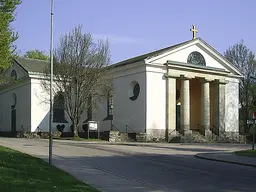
[{"x": 228, "y": 157}]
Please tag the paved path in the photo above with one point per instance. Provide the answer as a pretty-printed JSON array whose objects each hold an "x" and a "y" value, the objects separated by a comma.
[{"x": 147, "y": 168}]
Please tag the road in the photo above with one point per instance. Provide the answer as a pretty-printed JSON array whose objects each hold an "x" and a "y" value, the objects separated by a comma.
[{"x": 148, "y": 168}]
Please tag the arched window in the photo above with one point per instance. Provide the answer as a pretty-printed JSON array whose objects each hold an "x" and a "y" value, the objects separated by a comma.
[
  {"x": 14, "y": 75},
  {"x": 196, "y": 58},
  {"x": 14, "y": 100},
  {"x": 58, "y": 108}
]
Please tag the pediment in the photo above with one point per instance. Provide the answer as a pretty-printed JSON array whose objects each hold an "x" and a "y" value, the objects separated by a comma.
[
  {"x": 20, "y": 72},
  {"x": 212, "y": 58}
]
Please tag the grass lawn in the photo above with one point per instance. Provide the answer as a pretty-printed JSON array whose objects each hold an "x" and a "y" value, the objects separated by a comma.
[
  {"x": 23, "y": 173},
  {"x": 247, "y": 153}
]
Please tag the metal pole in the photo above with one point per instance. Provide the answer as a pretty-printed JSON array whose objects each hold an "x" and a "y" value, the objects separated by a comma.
[{"x": 51, "y": 79}]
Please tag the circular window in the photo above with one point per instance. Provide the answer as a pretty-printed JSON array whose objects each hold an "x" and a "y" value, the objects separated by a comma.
[
  {"x": 134, "y": 90},
  {"x": 196, "y": 58}
]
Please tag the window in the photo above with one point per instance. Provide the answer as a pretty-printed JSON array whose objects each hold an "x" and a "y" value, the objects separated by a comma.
[
  {"x": 58, "y": 108},
  {"x": 196, "y": 58},
  {"x": 14, "y": 75},
  {"x": 110, "y": 104},
  {"x": 109, "y": 107}
]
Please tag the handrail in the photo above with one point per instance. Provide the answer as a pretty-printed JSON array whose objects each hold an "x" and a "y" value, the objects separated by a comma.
[
  {"x": 114, "y": 127},
  {"x": 127, "y": 126}
]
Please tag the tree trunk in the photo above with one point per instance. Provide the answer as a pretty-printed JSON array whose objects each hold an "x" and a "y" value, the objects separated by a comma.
[{"x": 75, "y": 128}]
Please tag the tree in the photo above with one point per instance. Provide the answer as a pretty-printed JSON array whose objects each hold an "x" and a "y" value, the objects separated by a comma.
[
  {"x": 7, "y": 34},
  {"x": 36, "y": 54},
  {"x": 80, "y": 71},
  {"x": 244, "y": 59}
]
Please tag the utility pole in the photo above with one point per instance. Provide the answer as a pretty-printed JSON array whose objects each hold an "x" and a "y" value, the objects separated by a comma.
[{"x": 51, "y": 79}]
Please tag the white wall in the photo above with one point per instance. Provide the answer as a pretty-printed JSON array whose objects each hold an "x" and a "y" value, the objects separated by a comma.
[
  {"x": 126, "y": 111},
  {"x": 40, "y": 109},
  {"x": 232, "y": 106},
  {"x": 23, "y": 114},
  {"x": 156, "y": 98}
]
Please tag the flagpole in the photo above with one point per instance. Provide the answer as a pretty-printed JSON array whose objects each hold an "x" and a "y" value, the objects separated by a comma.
[{"x": 51, "y": 79}]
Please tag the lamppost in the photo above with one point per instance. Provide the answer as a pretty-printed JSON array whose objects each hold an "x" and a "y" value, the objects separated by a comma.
[{"x": 51, "y": 79}]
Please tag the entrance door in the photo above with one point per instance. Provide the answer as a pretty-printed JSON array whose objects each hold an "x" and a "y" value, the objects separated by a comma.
[
  {"x": 13, "y": 120},
  {"x": 177, "y": 117}
]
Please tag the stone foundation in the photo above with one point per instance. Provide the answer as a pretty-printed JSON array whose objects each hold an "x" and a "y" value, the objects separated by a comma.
[
  {"x": 232, "y": 137},
  {"x": 155, "y": 135},
  {"x": 42, "y": 135}
]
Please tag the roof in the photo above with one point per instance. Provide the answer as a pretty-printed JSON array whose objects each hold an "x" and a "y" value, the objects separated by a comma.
[
  {"x": 32, "y": 65},
  {"x": 151, "y": 54}
]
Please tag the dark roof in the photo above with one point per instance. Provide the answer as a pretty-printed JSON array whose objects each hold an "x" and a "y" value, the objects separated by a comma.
[
  {"x": 148, "y": 55},
  {"x": 32, "y": 65}
]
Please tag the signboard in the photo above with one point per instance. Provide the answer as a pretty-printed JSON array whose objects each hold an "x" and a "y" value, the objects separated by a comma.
[{"x": 93, "y": 125}]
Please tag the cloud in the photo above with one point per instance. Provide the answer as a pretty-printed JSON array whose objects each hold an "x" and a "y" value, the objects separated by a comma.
[{"x": 116, "y": 39}]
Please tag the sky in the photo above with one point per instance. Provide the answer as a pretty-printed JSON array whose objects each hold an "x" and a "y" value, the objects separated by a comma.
[{"x": 135, "y": 27}]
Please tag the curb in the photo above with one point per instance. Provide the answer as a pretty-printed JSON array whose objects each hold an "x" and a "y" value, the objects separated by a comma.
[{"x": 225, "y": 161}]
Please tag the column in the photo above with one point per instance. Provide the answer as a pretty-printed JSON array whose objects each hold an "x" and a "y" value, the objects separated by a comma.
[
  {"x": 219, "y": 106},
  {"x": 206, "y": 106},
  {"x": 185, "y": 106},
  {"x": 171, "y": 107}
]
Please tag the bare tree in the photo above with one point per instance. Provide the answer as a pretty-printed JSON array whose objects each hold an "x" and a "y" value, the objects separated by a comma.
[
  {"x": 244, "y": 59},
  {"x": 80, "y": 73}
]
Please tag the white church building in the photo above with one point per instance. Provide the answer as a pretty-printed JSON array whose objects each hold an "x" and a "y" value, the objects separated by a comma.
[{"x": 179, "y": 90}]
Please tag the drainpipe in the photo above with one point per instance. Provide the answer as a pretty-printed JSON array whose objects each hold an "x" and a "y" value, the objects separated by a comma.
[{"x": 167, "y": 104}]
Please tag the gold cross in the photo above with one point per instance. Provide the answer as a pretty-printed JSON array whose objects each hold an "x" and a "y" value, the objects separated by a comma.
[{"x": 194, "y": 31}]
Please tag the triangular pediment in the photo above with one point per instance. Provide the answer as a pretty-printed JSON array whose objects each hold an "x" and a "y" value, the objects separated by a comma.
[
  {"x": 213, "y": 59},
  {"x": 18, "y": 69}
]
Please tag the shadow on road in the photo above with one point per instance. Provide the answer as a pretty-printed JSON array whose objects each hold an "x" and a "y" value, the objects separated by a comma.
[{"x": 159, "y": 172}]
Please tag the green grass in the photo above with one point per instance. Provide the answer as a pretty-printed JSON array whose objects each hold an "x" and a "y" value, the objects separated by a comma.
[
  {"x": 246, "y": 153},
  {"x": 23, "y": 173}
]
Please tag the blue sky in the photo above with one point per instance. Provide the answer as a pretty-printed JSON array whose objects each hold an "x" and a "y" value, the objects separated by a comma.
[{"x": 138, "y": 26}]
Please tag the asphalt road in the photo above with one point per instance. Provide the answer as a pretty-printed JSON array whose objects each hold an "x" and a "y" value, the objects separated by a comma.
[{"x": 151, "y": 168}]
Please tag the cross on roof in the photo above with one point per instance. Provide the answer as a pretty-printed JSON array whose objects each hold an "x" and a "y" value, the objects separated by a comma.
[{"x": 194, "y": 31}]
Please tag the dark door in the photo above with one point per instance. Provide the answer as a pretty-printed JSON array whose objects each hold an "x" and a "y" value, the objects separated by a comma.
[
  {"x": 13, "y": 120},
  {"x": 177, "y": 117}
]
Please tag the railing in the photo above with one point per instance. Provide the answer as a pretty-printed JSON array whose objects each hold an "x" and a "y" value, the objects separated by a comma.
[
  {"x": 127, "y": 126},
  {"x": 113, "y": 126}
]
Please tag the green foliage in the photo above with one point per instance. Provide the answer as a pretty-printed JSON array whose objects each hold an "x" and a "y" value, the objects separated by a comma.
[
  {"x": 244, "y": 59},
  {"x": 7, "y": 34},
  {"x": 36, "y": 54},
  {"x": 21, "y": 172},
  {"x": 246, "y": 153}
]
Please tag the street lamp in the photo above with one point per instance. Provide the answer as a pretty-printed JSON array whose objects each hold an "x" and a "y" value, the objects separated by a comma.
[{"x": 51, "y": 79}]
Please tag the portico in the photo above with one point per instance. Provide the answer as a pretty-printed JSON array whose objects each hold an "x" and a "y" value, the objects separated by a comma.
[{"x": 195, "y": 99}]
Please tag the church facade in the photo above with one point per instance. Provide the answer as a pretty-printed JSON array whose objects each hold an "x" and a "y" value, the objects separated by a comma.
[{"x": 176, "y": 91}]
